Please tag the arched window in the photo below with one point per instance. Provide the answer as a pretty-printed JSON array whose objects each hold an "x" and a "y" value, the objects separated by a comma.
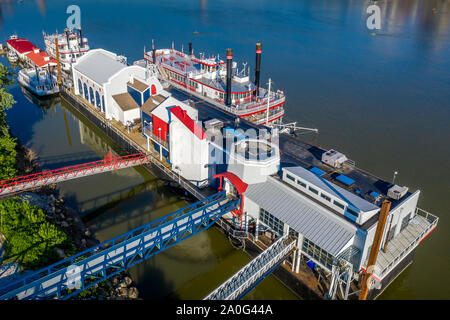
[
  {"x": 97, "y": 100},
  {"x": 86, "y": 96},
  {"x": 91, "y": 95},
  {"x": 153, "y": 89},
  {"x": 80, "y": 87}
]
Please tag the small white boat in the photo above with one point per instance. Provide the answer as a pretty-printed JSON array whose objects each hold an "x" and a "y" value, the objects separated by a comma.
[
  {"x": 40, "y": 82},
  {"x": 12, "y": 56}
]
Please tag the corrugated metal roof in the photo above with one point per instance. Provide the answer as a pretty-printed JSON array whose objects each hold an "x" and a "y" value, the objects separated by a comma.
[
  {"x": 301, "y": 214},
  {"x": 333, "y": 189},
  {"x": 99, "y": 66}
]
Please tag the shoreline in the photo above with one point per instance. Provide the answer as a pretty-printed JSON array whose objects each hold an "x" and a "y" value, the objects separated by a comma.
[{"x": 119, "y": 287}]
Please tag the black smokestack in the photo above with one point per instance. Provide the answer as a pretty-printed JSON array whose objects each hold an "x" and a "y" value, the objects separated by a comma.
[
  {"x": 67, "y": 38},
  {"x": 190, "y": 48},
  {"x": 257, "y": 67},
  {"x": 229, "y": 62},
  {"x": 81, "y": 38},
  {"x": 153, "y": 53}
]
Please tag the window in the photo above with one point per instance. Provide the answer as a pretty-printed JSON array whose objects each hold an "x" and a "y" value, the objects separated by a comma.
[
  {"x": 352, "y": 212},
  {"x": 338, "y": 204},
  {"x": 391, "y": 233},
  {"x": 317, "y": 253},
  {"x": 272, "y": 222},
  {"x": 301, "y": 183},
  {"x": 405, "y": 222},
  {"x": 293, "y": 233},
  {"x": 290, "y": 177},
  {"x": 313, "y": 190},
  {"x": 325, "y": 197}
]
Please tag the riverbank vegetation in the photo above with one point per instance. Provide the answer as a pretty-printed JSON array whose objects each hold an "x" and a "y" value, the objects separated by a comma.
[
  {"x": 31, "y": 240},
  {"x": 33, "y": 237}
]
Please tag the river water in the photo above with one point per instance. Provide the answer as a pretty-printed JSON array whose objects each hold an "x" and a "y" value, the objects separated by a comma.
[{"x": 382, "y": 97}]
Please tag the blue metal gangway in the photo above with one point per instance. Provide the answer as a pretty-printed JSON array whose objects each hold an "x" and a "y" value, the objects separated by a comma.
[
  {"x": 70, "y": 276},
  {"x": 255, "y": 271}
]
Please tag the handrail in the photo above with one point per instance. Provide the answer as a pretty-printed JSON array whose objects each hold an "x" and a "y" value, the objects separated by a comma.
[
  {"x": 222, "y": 106},
  {"x": 431, "y": 218},
  {"x": 151, "y": 135},
  {"x": 257, "y": 268}
]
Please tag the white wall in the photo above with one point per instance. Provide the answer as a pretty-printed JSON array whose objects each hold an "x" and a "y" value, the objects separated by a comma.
[
  {"x": 251, "y": 208},
  {"x": 131, "y": 115},
  {"x": 188, "y": 152}
]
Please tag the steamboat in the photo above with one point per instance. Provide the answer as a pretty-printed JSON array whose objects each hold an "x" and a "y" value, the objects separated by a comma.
[
  {"x": 41, "y": 82},
  {"x": 221, "y": 83},
  {"x": 71, "y": 45}
]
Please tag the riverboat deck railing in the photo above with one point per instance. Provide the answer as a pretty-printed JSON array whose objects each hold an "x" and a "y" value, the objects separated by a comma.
[
  {"x": 405, "y": 242},
  {"x": 237, "y": 111}
]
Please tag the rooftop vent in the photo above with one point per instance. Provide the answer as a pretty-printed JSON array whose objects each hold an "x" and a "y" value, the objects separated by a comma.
[
  {"x": 213, "y": 123},
  {"x": 334, "y": 158},
  {"x": 122, "y": 59},
  {"x": 396, "y": 192}
]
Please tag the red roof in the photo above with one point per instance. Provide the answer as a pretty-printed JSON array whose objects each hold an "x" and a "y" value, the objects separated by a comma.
[
  {"x": 41, "y": 58},
  {"x": 240, "y": 185},
  {"x": 188, "y": 122},
  {"x": 21, "y": 45}
]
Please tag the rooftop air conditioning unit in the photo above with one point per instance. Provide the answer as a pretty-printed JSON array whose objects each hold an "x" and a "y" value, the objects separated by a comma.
[
  {"x": 334, "y": 158},
  {"x": 213, "y": 123},
  {"x": 396, "y": 192}
]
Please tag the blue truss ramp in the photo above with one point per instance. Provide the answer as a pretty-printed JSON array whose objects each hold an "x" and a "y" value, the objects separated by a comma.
[
  {"x": 256, "y": 270},
  {"x": 70, "y": 276}
]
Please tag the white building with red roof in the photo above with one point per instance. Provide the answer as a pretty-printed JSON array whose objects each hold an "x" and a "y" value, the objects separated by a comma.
[
  {"x": 40, "y": 59},
  {"x": 20, "y": 46}
]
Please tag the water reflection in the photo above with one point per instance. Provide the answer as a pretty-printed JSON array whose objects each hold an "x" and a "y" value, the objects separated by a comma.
[{"x": 428, "y": 21}]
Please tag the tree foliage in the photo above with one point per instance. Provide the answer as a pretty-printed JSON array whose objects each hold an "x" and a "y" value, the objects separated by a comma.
[
  {"x": 7, "y": 143},
  {"x": 30, "y": 238}
]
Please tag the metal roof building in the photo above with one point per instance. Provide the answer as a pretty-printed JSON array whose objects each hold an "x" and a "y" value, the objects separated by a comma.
[
  {"x": 301, "y": 214},
  {"x": 332, "y": 188},
  {"x": 99, "y": 65}
]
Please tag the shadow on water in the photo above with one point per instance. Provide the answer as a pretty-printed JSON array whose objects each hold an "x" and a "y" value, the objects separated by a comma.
[{"x": 152, "y": 282}]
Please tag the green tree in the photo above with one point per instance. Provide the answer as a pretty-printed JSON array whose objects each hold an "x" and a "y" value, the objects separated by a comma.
[{"x": 7, "y": 143}]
